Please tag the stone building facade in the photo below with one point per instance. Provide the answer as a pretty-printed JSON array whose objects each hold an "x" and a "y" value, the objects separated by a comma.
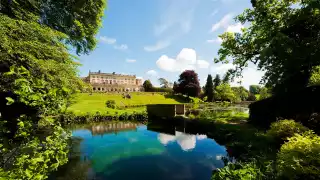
[{"x": 112, "y": 82}]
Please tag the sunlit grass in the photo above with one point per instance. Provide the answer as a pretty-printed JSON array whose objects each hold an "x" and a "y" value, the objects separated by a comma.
[{"x": 86, "y": 103}]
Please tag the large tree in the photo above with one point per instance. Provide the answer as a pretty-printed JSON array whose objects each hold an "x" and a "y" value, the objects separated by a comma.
[
  {"x": 223, "y": 92},
  {"x": 147, "y": 85},
  {"x": 208, "y": 88},
  {"x": 164, "y": 83},
  {"x": 80, "y": 20},
  {"x": 283, "y": 39},
  {"x": 188, "y": 83},
  {"x": 254, "y": 89},
  {"x": 216, "y": 81},
  {"x": 241, "y": 93},
  {"x": 39, "y": 77}
]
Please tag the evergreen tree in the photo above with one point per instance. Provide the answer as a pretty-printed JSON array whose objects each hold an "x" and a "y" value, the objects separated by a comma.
[
  {"x": 208, "y": 89},
  {"x": 147, "y": 85},
  {"x": 216, "y": 81}
]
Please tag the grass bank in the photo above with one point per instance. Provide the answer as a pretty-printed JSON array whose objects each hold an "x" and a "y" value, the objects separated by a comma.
[{"x": 96, "y": 102}]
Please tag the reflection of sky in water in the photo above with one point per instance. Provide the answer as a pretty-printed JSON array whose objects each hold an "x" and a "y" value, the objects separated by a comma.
[{"x": 143, "y": 154}]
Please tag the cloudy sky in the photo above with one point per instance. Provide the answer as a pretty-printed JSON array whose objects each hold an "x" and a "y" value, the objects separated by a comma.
[{"x": 161, "y": 38}]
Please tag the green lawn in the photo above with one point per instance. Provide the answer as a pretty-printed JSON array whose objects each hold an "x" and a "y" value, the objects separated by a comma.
[{"x": 96, "y": 102}]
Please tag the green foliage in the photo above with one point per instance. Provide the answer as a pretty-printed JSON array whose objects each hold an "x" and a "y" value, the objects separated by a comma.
[
  {"x": 208, "y": 89},
  {"x": 264, "y": 93},
  {"x": 241, "y": 93},
  {"x": 254, "y": 89},
  {"x": 282, "y": 39},
  {"x": 224, "y": 92},
  {"x": 111, "y": 104},
  {"x": 251, "y": 97},
  {"x": 281, "y": 130},
  {"x": 299, "y": 157},
  {"x": 232, "y": 171},
  {"x": 315, "y": 76},
  {"x": 79, "y": 20},
  {"x": 147, "y": 86}
]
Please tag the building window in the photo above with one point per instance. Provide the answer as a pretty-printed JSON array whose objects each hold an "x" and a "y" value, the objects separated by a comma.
[
  {"x": 98, "y": 89},
  {"x": 102, "y": 89},
  {"x": 94, "y": 88}
]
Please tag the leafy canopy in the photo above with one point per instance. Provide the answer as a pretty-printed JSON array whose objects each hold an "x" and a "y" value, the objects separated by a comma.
[
  {"x": 283, "y": 39},
  {"x": 188, "y": 84},
  {"x": 80, "y": 20}
]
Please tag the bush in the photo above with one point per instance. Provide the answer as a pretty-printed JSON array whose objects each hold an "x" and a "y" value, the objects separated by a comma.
[
  {"x": 111, "y": 104},
  {"x": 281, "y": 130},
  {"x": 251, "y": 97},
  {"x": 299, "y": 158},
  {"x": 238, "y": 170}
]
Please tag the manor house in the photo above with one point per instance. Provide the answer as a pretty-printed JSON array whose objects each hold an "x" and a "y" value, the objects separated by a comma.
[{"x": 112, "y": 82}]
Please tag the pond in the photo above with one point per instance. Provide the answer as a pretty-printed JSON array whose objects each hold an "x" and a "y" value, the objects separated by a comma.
[{"x": 121, "y": 151}]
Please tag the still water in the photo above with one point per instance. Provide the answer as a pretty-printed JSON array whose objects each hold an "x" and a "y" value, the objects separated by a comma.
[{"x": 128, "y": 151}]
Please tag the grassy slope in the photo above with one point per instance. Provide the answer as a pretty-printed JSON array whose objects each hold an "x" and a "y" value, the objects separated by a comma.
[{"x": 96, "y": 102}]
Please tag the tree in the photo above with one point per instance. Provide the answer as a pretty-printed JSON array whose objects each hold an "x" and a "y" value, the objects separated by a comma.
[
  {"x": 315, "y": 76},
  {"x": 241, "y": 93},
  {"x": 188, "y": 83},
  {"x": 208, "y": 89},
  {"x": 282, "y": 39},
  {"x": 226, "y": 78},
  {"x": 251, "y": 97},
  {"x": 39, "y": 78},
  {"x": 148, "y": 87},
  {"x": 175, "y": 87},
  {"x": 264, "y": 93},
  {"x": 79, "y": 20},
  {"x": 216, "y": 81},
  {"x": 223, "y": 92},
  {"x": 164, "y": 83},
  {"x": 254, "y": 89}
]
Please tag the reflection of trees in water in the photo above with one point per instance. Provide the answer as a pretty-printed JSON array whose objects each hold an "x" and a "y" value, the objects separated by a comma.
[
  {"x": 76, "y": 168},
  {"x": 106, "y": 128}
]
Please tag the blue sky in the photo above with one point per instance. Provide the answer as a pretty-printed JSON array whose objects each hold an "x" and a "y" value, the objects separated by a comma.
[{"x": 161, "y": 38}]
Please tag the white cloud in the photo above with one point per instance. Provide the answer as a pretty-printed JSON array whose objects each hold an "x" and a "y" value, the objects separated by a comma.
[
  {"x": 216, "y": 40},
  {"x": 201, "y": 137},
  {"x": 185, "y": 141},
  {"x": 202, "y": 64},
  {"x": 250, "y": 74},
  {"x": 235, "y": 28},
  {"x": 152, "y": 73},
  {"x": 165, "y": 138},
  {"x": 121, "y": 47},
  {"x": 107, "y": 40},
  {"x": 221, "y": 68},
  {"x": 223, "y": 23},
  {"x": 186, "y": 59},
  {"x": 159, "y": 45},
  {"x": 131, "y": 60}
]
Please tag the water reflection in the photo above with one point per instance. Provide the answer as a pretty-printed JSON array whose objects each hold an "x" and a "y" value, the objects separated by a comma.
[
  {"x": 185, "y": 141},
  {"x": 157, "y": 151}
]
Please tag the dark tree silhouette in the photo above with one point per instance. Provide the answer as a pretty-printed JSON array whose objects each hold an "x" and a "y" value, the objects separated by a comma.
[
  {"x": 188, "y": 83},
  {"x": 208, "y": 88},
  {"x": 216, "y": 81},
  {"x": 148, "y": 87}
]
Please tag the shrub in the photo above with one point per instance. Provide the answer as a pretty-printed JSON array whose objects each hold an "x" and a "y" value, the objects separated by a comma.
[
  {"x": 281, "y": 130},
  {"x": 111, "y": 104},
  {"x": 238, "y": 170},
  {"x": 251, "y": 97},
  {"x": 299, "y": 158}
]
